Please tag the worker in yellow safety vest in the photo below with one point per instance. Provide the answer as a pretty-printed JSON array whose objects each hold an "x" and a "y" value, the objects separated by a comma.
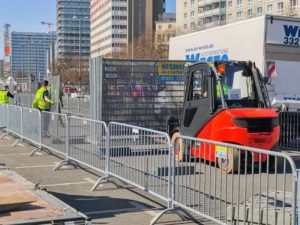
[
  {"x": 5, "y": 95},
  {"x": 42, "y": 99},
  {"x": 225, "y": 89}
]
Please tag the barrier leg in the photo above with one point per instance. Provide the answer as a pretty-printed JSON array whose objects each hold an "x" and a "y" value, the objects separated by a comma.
[
  {"x": 105, "y": 179},
  {"x": 38, "y": 150},
  {"x": 3, "y": 135},
  {"x": 15, "y": 143},
  {"x": 176, "y": 210},
  {"x": 67, "y": 162}
]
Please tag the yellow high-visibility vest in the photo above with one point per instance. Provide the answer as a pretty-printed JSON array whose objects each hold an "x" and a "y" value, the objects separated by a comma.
[
  {"x": 4, "y": 99},
  {"x": 39, "y": 102}
]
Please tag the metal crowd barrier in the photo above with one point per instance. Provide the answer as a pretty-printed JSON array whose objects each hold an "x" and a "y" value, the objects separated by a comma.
[
  {"x": 54, "y": 132},
  {"x": 233, "y": 184},
  {"x": 140, "y": 157},
  {"x": 289, "y": 130},
  {"x": 224, "y": 183},
  {"x": 31, "y": 125},
  {"x": 3, "y": 115},
  {"x": 14, "y": 124},
  {"x": 87, "y": 143}
]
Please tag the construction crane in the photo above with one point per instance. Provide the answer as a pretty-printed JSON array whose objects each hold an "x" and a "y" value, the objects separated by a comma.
[{"x": 50, "y": 25}]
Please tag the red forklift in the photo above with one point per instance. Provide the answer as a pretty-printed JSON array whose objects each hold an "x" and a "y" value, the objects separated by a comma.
[{"x": 226, "y": 102}]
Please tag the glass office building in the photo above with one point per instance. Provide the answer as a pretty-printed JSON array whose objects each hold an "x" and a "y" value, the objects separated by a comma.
[
  {"x": 28, "y": 53},
  {"x": 73, "y": 29}
]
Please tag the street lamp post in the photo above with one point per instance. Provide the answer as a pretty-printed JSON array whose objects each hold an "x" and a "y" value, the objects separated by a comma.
[
  {"x": 36, "y": 61},
  {"x": 29, "y": 53},
  {"x": 22, "y": 47}
]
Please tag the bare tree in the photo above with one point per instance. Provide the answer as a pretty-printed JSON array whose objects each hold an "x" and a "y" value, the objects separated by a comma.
[{"x": 69, "y": 71}]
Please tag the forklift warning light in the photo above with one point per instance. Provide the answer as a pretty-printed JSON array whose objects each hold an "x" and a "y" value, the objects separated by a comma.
[{"x": 221, "y": 69}]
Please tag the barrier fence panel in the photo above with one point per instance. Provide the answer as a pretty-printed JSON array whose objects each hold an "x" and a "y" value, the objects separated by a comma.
[
  {"x": 141, "y": 157},
  {"x": 54, "y": 131},
  {"x": 289, "y": 130},
  {"x": 3, "y": 115},
  {"x": 15, "y": 120},
  {"x": 76, "y": 106},
  {"x": 232, "y": 184},
  {"x": 31, "y": 125},
  {"x": 87, "y": 142},
  {"x": 84, "y": 106}
]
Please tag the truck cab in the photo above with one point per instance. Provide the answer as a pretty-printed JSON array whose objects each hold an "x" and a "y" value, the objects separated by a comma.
[{"x": 227, "y": 102}]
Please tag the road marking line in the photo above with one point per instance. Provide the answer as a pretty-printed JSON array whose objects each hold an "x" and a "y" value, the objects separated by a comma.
[
  {"x": 38, "y": 166},
  {"x": 38, "y": 153},
  {"x": 6, "y": 137},
  {"x": 142, "y": 208},
  {"x": 63, "y": 184},
  {"x": 20, "y": 144},
  {"x": 14, "y": 154},
  {"x": 110, "y": 211}
]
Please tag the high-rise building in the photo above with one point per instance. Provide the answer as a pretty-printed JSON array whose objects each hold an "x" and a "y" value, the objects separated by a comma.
[
  {"x": 113, "y": 22},
  {"x": 237, "y": 10},
  {"x": 109, "y": 30},
  {"x": 73, "y": 29},
  {"x": 165, "y": 28},
  {"x": 28, "y": 53},
  {"x": 193, "y": 15}
]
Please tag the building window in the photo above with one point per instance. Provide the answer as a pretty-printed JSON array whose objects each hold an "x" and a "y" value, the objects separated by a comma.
[
  {"x": 159, "y": 27},
  {"x": 294, "y": 3},
  {"x": 269, "y": 9},
  {"x": 185, "y": 26},
  {"x": 192, "y": 2},
  {"x": 239, "y": 15},
  {"x": 259, "y": 11},
  {"x": 249, "y": 13},
  {"x": 250, "y": 2},
  {"x": 259, "y": 1},
  {"x": 229, "y": 4},
  {"x": 185, "y": 4},
  {"x": 200, "y": 10},
  {"x": 239, "y": 3},
  {"x": 170, "y": 26},
  {"x": 192, "y": 13},
  {"x": 193, "y": 25},
  {"x": 280, "y": 7},
  {"x": 200, "y": 22},
  {"x": 185, "y": 15}
]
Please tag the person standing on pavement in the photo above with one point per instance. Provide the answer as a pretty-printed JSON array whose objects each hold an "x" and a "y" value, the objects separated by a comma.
[
  {"x": 5, "y": 95},
  {"x": 43, "y": 102}
]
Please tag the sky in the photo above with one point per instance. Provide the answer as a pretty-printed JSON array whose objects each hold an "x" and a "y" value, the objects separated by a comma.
[{"x": 26, "y": 15}]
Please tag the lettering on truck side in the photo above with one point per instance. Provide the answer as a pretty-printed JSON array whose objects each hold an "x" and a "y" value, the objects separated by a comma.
[{"x": 292, "y": 35}]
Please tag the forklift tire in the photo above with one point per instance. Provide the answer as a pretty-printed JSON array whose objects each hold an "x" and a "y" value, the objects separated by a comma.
[
  {"x": 231, "y": 164},
  {"x": 178, "y": 149}
]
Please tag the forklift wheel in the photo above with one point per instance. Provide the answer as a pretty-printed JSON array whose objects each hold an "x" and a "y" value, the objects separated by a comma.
[
  {"x": 178, "y": 150},
  {"x": 229, "y": 165}
]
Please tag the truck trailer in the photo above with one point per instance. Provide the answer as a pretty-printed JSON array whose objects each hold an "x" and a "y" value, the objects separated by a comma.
[{"x": 272, "y": 42}]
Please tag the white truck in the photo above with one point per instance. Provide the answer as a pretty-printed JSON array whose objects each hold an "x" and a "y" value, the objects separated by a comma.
[{"x": 272, "y": 42}]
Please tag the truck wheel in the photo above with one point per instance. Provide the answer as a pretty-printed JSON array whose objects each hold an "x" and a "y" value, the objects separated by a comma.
[
  {"x": 230, "y": 164},
  {"x": 178, "y": 150}
]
